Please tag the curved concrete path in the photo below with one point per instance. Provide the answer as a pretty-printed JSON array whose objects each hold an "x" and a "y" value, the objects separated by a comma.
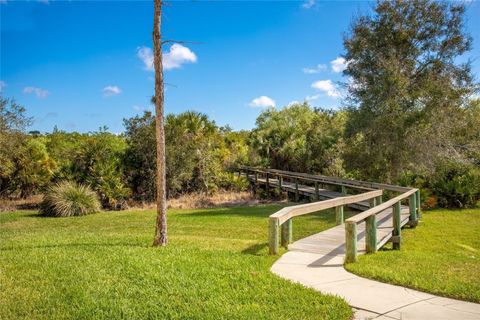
[{"x": 370, "y": 299}]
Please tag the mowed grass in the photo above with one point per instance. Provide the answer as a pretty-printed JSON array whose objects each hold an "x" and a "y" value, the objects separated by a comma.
[
  {"x": 440, "y": 256},
  {"x": 102, "y": 266}
]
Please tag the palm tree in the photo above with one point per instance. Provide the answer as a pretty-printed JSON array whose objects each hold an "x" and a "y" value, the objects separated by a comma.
[{"x": 161, "y": 226}]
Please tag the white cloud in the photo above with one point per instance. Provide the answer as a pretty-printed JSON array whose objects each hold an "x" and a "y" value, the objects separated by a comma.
[
  {"x": 317, "y": 69},
  {"x": 175, "y": 57},
  {"x": 339, "y": 64},
  {"x": 111, "y": 91},
  {"x": 178, "y": 55},
  {"x": 327, "y": 87},
  {"x": 262, "y": 102},
  {"x": 294, "y": 102},
  {"x": 39, "y": 92},
  {"x": 308, "y": 4},
  {"x": 145, "y": 54},
  {"x": 3, "y": 84}
]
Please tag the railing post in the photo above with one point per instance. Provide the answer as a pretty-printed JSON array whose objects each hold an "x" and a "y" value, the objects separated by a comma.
[
  {"x": 419, "y": 207},
  {"x": 373, "y": 202},
  {"x": 273, "y": 236},
  {"x": 344, "y": 191},
  {"x": 339, "y": 215},
  {"x": 350, "y": 242},
  {"x": 397, "y": 227},
  {"x": 256, "y": 177},
  {"x": 379, "y": 200},
  {"x": 287, "y": 233},
  {"x": 296, "y": 190},
  {"x": 317, "y": 193},
  {"x": 371, "y": 234},
  {"x": 413, "y": 210}
]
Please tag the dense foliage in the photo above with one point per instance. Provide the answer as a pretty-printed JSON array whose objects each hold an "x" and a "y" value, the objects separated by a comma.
[
  {"x": 407, "y": 91},
  {"x": 200, "y": 155},
  {"x": 300, "y": 138},
  {"x": 12, "y": 139}
]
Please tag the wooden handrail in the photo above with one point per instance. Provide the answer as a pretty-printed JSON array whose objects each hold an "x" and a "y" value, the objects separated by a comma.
[
  {"x": 283, "y": 217},
  {"x": 333, "y": 180},
  {"x": 306, "y": 177},
  {"x": 370, "y": 218},
  {"x": 377, "y": 209},
  {"x": 298, "y": 210},
  {"x": 309, "y": 179}
]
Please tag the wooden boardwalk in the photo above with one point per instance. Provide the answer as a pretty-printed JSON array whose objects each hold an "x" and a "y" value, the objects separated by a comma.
[
  {"x": 308, "y": 191},
  {"x": 378, "y": 222}
]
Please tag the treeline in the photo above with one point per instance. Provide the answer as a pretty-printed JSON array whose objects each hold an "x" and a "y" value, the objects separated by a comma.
[
  {"x": 446, "y": 168},
  {"x": 201, "y": 156}
]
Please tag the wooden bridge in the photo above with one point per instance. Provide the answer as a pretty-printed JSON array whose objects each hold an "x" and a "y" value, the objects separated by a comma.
[{"x": 377, "y": 222}]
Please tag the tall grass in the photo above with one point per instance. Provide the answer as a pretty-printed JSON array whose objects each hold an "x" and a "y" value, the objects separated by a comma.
[{"x": 67, "y": 199}]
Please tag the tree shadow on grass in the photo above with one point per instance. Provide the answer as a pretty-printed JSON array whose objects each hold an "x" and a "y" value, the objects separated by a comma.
[
  {"x": 41, "y": 215},
  {"x": 259, "y": 212},
  {"x": 37, "y": 215},
  {"x": 256, "y": 249},
  {"x": 75, "y": 245}
]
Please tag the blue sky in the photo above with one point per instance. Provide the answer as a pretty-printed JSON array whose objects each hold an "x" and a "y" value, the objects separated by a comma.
[{"x": 83, "y": 65}]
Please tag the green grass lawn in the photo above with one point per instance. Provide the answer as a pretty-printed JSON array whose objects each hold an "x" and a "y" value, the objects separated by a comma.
[
  {"x": 103, "y": 267},
  {"x": 440, "y": 256}
]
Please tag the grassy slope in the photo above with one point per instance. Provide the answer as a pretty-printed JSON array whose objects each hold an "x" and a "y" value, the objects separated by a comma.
[
  {"x": 102, "y": 266},
  {"x": 440, "y": 256}
]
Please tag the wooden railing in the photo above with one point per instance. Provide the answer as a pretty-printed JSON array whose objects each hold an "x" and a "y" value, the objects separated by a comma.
[
  {"x": 283, "y": 218},
  {"x": 353, "y": 184},
  {"x": 370, "y": 218},
  {"x": 298, "y": 177}
]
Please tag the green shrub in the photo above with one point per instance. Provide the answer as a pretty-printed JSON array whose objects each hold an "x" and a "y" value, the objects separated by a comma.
[
  {"x": 67, "y": 199},
  {"x": 230, "y": 181},
  {"x": 418, "y": 180},
  {"x": 456, "y": 185}
]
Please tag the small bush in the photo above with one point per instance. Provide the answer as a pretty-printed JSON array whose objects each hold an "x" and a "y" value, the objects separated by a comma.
[
  {"x": 456, "y": 185},
  {"x": 231, "y": 182},
  {"x": 67, "y": 199},
  {"x": 422, "y": 181}
]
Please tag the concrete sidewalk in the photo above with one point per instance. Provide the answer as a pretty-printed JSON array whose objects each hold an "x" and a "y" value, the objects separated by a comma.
[{"x": 370, "y": 299}]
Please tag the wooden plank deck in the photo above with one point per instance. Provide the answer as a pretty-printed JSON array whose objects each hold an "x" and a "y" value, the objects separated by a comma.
[
  {"x": 309, "y": 191},
  {"x": 332, "y": 241}
]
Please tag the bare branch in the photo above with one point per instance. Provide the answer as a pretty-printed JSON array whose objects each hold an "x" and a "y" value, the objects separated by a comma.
[{"x": 180, "y": 41}]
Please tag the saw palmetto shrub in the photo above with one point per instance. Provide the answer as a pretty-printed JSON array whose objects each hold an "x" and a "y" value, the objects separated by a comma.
[
  {"x": 67, "y": 199},
  {"x": 456, "y": 185}
]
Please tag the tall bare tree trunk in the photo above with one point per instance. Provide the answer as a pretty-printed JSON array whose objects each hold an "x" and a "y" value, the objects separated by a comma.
[{"x": 161, "y": 228}]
